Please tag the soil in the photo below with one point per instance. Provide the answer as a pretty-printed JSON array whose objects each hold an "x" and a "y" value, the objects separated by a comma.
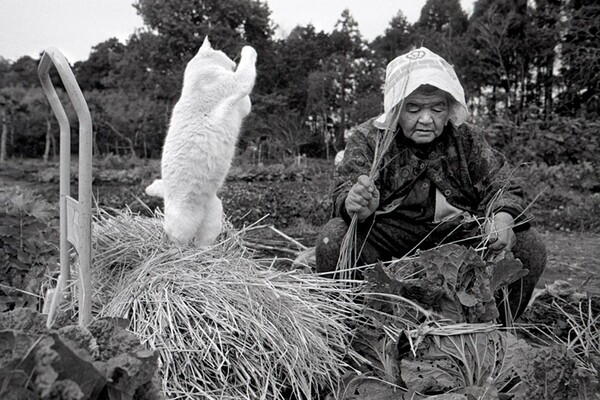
[{"x": 573, "y": 257}]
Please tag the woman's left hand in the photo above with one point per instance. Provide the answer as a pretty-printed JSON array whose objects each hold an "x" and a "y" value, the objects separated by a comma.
[{"x": 500, "y": 232}]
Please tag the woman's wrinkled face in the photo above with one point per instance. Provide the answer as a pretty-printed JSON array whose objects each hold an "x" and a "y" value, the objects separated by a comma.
[{"x": 424, "y": 114}]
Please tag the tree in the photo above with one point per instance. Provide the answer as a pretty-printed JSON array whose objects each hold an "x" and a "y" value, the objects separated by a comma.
[
  {"x": 126, "y": 123},
  {"x": 396, "y": 40},
  {"x": 4, "y": 71},
  {"x": 25, "y": 113},
  {"x": 40, "y": 114},
  {"x": 497, "y": 34},
  {"x": 543, "y": 34},
  {"x": 321, "y": 98},
  {"x": 95, "y": 72},
  {"x": 9, "y": 105},
  {"x": 155, "y": 58},
  {"x": 511, "y": 47},
  {"x": 229, "y": 23},
  {"x": 23, "y": 72},
  {"x": 441, "y": 28},
  {"x": 368, "y": 101},
  {"x": 348, "y": 46},
  {"x": 580, "y": 57},
  {"x": 303, "y": 52},
  {"x": 443, "y": 16},
  {"x": 4, "y": 133}
]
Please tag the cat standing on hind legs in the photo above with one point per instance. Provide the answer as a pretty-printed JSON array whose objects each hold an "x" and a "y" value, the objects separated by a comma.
[{"x": 200, "y": 143}]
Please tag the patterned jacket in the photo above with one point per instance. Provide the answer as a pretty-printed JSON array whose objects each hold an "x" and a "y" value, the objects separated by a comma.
[{"x": 459, "y": 163}]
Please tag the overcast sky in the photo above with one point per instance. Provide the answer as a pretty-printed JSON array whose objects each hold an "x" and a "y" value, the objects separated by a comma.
[{"x": 75, "y": 26}]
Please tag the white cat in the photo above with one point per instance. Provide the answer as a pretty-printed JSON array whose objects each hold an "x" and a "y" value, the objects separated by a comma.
[{"x": 200, "y": 143}]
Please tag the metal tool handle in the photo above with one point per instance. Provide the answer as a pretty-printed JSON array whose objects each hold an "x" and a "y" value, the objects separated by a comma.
[{"x": 75, "y": 215}]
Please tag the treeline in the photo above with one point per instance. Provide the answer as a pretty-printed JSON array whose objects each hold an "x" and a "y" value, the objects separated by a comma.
[{"x": 518, "y": 60}]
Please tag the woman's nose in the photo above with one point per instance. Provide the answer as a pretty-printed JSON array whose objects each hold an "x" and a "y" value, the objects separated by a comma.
[{"x": 425, "y": 117}]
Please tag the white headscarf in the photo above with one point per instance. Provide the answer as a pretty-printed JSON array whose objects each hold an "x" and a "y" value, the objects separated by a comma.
[{"x": 406, "y": 73}]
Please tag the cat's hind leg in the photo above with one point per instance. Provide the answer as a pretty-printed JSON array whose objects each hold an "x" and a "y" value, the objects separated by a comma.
[
  {"x": 212, "y": 225},
  {"x": 182, "y": 221}
]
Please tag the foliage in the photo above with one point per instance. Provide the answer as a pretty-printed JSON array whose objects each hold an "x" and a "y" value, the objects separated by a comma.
[
  {"x": 429, "y": 355},
  {"x": 23, "y": 71},
  {"x": 247, "y": 202},
  {"x": 271, "y": 172},
  {"x": 189, "y": 21},
  {"x": 95, "y": 73},
  {"x": 562, "y": 314},
  {"x": 28, "y": 247},
  {"x": 469, "y": 360},
  {"x": 443, "y": 16},
  {"x": 511, "y": 56},
  {"x": 503, "y": 61},
  {"x": 22, "y": 111},
  {"x": 451, "y": 280},
  {"x": 554, "y": 141},
  {"x": 127, "y": 123},
  {"x": 581, "y": 47},
  {"x": 30, "y": 125},
  {"x": 103, "y": 362},
  {"x": 449, "y": 361},
  {"x": 568, "y": 195},
  {"x": 558, "y": 161},
  {"x": 273, "y": 131},
  {"x": 395, "y": 40},
  {"x": 413, "y": 355},
  {"x": 302, "y": 53}
]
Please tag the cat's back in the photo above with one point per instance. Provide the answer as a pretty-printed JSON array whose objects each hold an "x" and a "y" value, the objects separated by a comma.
[{"x": 205, "y": 123}]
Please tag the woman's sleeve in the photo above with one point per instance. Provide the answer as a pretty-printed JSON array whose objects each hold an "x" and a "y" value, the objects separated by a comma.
[
  {"x": 495, "y": 181},
  {"x": 358, "y": 157}
]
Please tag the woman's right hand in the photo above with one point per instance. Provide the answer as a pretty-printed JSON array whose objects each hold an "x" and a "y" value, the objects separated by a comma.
[{"x": 363, "y": 198}]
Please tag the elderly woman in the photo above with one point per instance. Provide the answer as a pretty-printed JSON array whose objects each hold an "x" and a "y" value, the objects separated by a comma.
[{"x": 436, "y": 181}]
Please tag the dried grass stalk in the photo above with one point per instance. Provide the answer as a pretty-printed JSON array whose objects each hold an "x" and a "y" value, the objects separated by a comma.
[
  {"x": 224, "y": 326},
  {"x": 349, "y": 252}
]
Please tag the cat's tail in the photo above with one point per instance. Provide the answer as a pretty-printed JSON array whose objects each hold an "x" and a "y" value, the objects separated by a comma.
[{"x": 156, "y": 189}]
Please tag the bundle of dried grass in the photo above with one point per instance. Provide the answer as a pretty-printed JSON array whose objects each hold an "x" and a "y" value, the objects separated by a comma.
[
  {"x": 349, "y": 251},
  {"x": 224, "y": 326}
]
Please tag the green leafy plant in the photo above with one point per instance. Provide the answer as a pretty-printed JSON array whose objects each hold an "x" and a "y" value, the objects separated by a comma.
[
  {"x": 28, "y": 246},
  {"x": 451, "y": 280},
  {"x": 482, "y": 360},
  {"x": 563, "y": 315},
  {"x": 100, "y": 362}
]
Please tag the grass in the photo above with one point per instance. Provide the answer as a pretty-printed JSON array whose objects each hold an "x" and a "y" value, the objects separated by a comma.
[{"x": 576, "y": 328}]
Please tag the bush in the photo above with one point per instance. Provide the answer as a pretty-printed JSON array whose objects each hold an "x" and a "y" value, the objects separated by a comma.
[
  {"x": 285, "y": 203},
  {"x": 558, "y": 160},
  {"x": 29, "y": 237},
  {"x": 102, "y": 361},
  {"x": 568, "y": 195},
  {"x": 555, "y": 141}
]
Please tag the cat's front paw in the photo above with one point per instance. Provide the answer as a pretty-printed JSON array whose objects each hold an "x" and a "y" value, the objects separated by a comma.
[{"x": 249, "y": 54}]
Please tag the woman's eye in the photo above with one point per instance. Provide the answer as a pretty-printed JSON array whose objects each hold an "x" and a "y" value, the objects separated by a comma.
[
  {"x": 439, "y": 108},
  {"x": 412, "y": 108}
]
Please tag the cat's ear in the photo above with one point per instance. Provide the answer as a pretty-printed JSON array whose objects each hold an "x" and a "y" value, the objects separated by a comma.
[{"x": 206, "y": 44}]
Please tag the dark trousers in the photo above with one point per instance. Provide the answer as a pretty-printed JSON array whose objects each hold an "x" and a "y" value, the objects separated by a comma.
[{"x": 393, "y": 238}]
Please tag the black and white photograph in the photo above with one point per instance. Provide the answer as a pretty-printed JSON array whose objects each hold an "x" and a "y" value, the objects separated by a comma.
[{"x": 299, "y": 199}]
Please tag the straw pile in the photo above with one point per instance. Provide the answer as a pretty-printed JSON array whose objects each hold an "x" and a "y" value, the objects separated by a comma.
[{"x": 224, "y": 326}]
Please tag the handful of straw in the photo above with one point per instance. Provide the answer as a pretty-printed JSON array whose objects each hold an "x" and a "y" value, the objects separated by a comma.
[{"x": 349, "y": 253}]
